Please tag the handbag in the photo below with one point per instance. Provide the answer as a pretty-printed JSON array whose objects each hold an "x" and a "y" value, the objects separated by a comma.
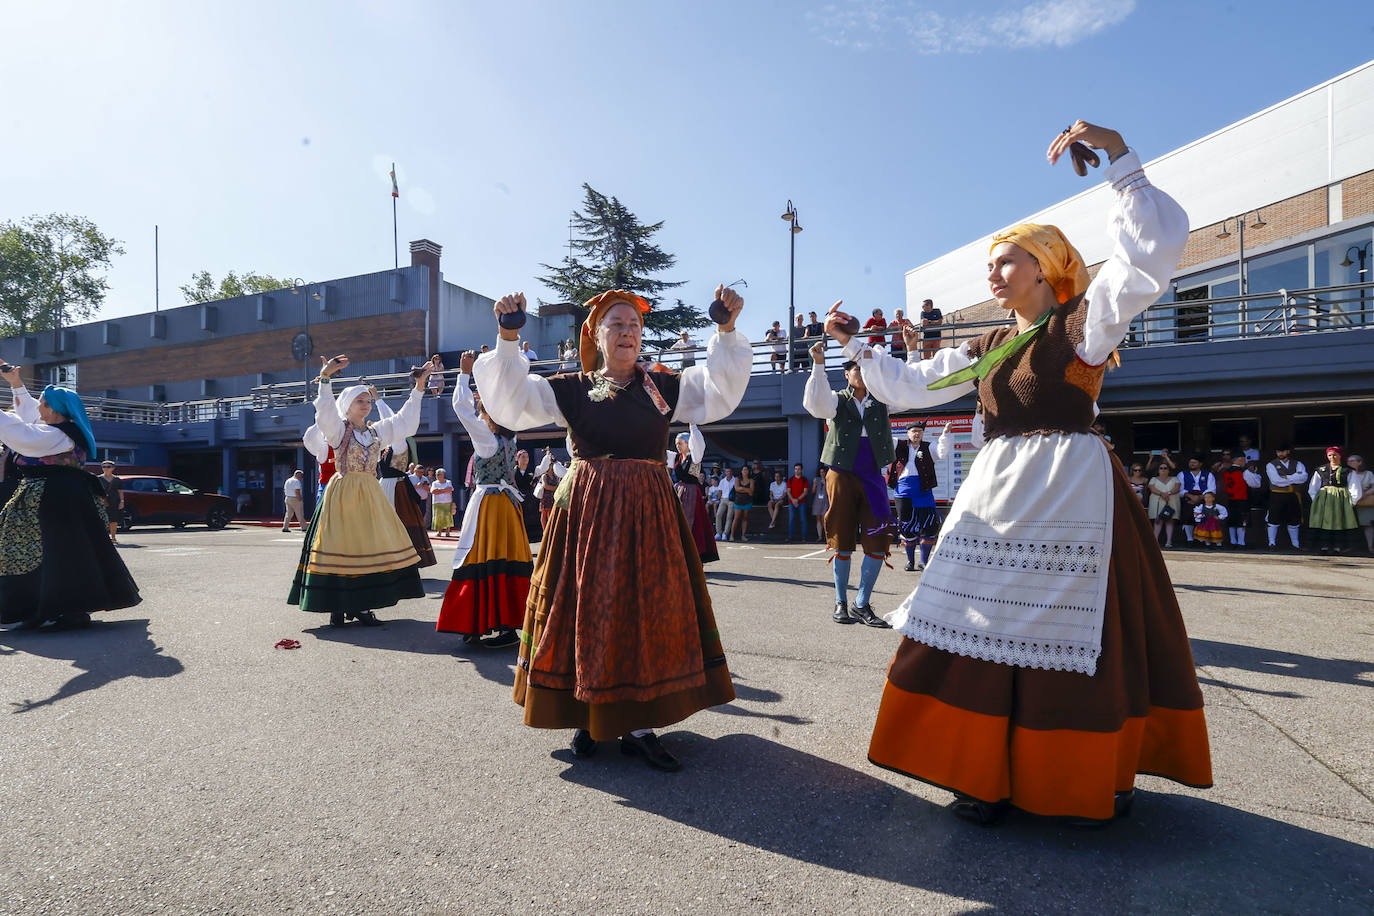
[{"x": 1166, "y": 513}]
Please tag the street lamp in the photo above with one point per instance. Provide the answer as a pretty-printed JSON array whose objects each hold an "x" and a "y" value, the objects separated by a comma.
[
  {"x": 1259, "y": 223},
  {"x": 300, "y": 344},
  {"x": 1362, "y": 253},
  {"x": 794, "y": 226}
]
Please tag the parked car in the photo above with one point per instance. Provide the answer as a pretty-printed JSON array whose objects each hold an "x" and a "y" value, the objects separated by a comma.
[{"x": 167, "y": 501}]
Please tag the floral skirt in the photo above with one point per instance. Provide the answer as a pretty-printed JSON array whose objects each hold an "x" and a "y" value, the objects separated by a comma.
[
  {"x": 619, "y": 633},
  {"x": 699, "y": 520}
]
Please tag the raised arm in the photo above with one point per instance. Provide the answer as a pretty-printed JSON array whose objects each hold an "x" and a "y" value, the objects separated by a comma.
[
  {"x": 24, "y": 404},
  {"x": 483, "y": 439},
  {"x": 711, "y": 392},
  {"x": 819, "y": 398},
  {"x": 404, "y": 422},
  {"x": 942, "y": 444},
  {"x": 33, "y": 440},
  {"x": 905, "y": 385},
  {"x": 1148, "y": 230},
  {"x": 515, "y": 397}
]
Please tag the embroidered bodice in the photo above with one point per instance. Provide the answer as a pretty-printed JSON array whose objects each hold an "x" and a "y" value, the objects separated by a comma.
[
  {"x": 500, "y": 466},
  {"x": 76, "y": 458},
  {"x": 353, "y": 457}
]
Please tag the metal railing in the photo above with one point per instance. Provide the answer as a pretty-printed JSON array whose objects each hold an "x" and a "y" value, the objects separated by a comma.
[{"x": 1253, "y": 315}]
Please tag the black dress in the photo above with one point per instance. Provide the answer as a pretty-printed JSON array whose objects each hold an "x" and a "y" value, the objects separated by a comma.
[{"x": 529, "y": 506}]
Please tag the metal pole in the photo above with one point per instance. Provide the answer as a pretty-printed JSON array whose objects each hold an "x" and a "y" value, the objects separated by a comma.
[
  {"x": 305, "y": 299},
  {"x": 155, "y": 268},
  {"x": 792, "y": 295}
]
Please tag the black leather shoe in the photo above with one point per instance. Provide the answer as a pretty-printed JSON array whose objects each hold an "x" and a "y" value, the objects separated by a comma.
[
  {"x": 985, "y": 814},
  {"x": 501, "y": 640},
  {"x": 77, "y": 621},
  {"x": 367, "y": 619},
  {"x": 583, "y": 745},
  {"x": 841, "y": 614},
  {"x": 866, "y": 616},
  {"x": 909, "y": 567},
  {"x": 336, "y": 618},
  {"x": 653, "y": 752}
]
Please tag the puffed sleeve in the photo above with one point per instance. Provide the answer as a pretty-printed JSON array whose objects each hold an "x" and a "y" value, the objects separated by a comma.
[
  {"x": 515, "y": 397},
  {"x": 483, "y": 439},
  {"x": 25, "y": 405},
  {"x": 403, "y": 423},
  {"x": 905, "y": 385},
  {"x": 711, "y": 392},
  {"x": 1148, "y": 230},
  {"x": 819, "y": 398},
  {"x": 327, "y": 418}
]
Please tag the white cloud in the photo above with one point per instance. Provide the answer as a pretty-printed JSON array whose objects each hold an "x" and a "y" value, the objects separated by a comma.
[{"x": 884, "y": 23}]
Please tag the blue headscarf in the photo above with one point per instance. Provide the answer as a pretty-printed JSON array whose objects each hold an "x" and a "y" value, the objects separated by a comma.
[{"x": 66, "y": 402}]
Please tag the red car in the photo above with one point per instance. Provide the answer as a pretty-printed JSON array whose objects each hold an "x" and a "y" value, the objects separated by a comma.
[{"x": 167, "y": 501}]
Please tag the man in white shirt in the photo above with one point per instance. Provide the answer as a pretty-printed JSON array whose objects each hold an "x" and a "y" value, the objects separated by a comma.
[
  {"x": 1286, "y": 474},
  {"x": 687, "y": 346},
  {"x": 527, "y": 351},
  {"x": 291, "y": 490},
  {"x": 727, "y": 490},
  {"x": 1251, "y": 453}
]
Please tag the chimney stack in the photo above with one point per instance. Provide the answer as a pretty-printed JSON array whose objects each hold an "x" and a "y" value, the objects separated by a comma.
[{"x": 425, "y": 253}]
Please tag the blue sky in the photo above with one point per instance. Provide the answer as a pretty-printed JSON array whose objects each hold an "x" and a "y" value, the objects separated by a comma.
[{"x": 258, "y": 135}]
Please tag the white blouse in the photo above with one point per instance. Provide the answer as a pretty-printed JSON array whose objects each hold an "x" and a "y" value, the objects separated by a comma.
[
  {"x": 26, "y": 434},
  {"x": 518, "y": 399},
  {"x": 483, "y": 439},
  {"x": 1148, "y": 229},
  {"x": 400, "y": 425}
]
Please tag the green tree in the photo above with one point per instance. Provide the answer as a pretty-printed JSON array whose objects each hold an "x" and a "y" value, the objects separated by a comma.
[
  {"x": 203, "y": 287},
  {"x": 612, "y": 249},
  {"x": 52, "y": 272}
]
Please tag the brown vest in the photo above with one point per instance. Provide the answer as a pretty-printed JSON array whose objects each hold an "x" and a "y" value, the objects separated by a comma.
[{"x": 1045, "y": 387}]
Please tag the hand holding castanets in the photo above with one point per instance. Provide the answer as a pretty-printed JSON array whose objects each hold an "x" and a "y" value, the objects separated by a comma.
[
  {"x": 1079, "y": 139},
  {"x": 508, "y": 305}
]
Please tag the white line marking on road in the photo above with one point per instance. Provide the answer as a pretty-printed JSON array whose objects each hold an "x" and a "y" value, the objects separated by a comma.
[{"x": 813, "y": 555}]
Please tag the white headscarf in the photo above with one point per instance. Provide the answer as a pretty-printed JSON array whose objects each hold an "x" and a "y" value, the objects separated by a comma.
[{"x": 344, "y": 401}]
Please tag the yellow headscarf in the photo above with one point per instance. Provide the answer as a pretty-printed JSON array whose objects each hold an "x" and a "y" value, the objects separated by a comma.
[
  {"x": 597, "y": 307},
  {"x": 1060, "y": 262}
]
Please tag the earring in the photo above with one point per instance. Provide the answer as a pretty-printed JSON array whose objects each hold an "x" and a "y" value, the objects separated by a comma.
[{"x": 1039, "y": 280}]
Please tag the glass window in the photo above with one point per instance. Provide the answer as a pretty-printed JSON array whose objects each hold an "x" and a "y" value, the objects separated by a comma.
[
  {"x": 1151, "y": 436},
  {"x": 144, "y": 485},
  {"x": 176, "y": 486},
  {"x": 1226, "y": 433},
  {"x": 1345, "y": 259},
  {"x": 62, "y": 374},
  {"x": 1319, "y": 430},
  {"x": 117, "y": 455}
]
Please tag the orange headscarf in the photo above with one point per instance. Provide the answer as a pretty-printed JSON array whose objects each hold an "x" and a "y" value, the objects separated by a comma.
[
  {"x": 597, "y": 307},
  {"x": 1060, "y": 262}
]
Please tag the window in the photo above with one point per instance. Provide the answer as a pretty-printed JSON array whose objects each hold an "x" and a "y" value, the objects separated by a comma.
[
  {"x": 1319, "y": 430},
  {"x": 63, "y": 374},
  {"x": 1151, "y": 436},
  {"x": 1192, "y": 319},
  {"x": 144, "y": 485},
  {"x": 176, "y": 486},
  {"x": 1329, "y": 268},
  {"x": 1226, "y": 433},
  {"x": 117, "y": 455}
]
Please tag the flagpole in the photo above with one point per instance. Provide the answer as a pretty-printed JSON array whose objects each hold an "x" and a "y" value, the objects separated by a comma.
[{"x": 395, "y": 235}]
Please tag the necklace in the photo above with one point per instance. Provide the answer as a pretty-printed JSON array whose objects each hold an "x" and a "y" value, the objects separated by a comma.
[{"x": 601, "y": 388}]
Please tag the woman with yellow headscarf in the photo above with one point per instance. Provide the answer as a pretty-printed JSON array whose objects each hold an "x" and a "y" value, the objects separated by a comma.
[
  {"x": 619, "y": 635},
  {"x": 1046, "y": 661}
]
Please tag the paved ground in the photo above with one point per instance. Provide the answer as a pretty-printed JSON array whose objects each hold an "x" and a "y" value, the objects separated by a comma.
[{"x": 170, "y": 760}]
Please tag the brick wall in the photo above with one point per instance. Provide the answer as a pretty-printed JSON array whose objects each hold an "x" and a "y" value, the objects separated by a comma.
[{"x": 1357, "y": 196}]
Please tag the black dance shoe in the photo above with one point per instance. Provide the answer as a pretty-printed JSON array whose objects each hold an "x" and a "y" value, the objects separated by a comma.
[
  {"x": 77, "y": 621},
  {"x": 367, "y": 619},
  {"x": 909, "y": 567},
  {"x": 984, "y": 814},
  {"x": 583, "y": 745},
  {"x": 864, "y": 614},
  {"x": 501, "y": 639},
  {"x": 841, "y": 614},
  {"x": 653, "y": 752},
  {"x": 336, "y": 618}
]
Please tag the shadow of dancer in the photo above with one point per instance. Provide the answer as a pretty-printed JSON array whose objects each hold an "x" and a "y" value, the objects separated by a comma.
[
  {"x": 106, "y": 651},
  {"x": 1174, "y": 854},
  {"x": 401, "y": 634},
  {"x": 1350, "y": 671}
]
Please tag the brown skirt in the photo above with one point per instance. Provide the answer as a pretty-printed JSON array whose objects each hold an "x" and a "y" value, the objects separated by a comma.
[
  {"x": 1058, "y": 742},
  {"x": 411, "y": 512},
  {"x": 619, "y": 633}
]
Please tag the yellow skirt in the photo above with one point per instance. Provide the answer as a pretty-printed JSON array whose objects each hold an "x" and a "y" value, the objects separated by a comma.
[{"x": 357, "y": 532}]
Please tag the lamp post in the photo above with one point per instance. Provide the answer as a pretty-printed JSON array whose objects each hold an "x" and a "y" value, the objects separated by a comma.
[
  {"x": 793, "y": 226},
  {"x": 1362, "y": 253},
  {"x": 301, "y": 347},
  {"x": 1259, "y": 223}
]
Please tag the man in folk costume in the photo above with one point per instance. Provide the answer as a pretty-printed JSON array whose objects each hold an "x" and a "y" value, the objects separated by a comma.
[
  {"x": 858, "y": 443},
  {"x": 912, "y": 476},
  {"x": 1286, "y": 476}
]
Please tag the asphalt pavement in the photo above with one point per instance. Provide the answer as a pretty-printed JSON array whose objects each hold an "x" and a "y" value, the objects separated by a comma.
[{"x": 169, "y": 760}]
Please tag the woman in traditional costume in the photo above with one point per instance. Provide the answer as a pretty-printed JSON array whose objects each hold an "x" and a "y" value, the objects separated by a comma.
[
  {"x": 57, "y": 563},
  {"x": 526, "y": 481},
  {"x": 684, "y": 465},
  {"x": 357, "y": 556},
  {"x": 492, "y": 565},
  {"x": 549, "y": 473},
  {"x": 619, "y": 636},
  {"x": 1046, "y": 661},
  {"x": 1332, "y": 520},
  {"x": 399, "y": 491}
]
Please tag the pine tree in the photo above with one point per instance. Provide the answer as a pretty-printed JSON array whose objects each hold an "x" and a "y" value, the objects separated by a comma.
[{"x": 612, "y": 249}]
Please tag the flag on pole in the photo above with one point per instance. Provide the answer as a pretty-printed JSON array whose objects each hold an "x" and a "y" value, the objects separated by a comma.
[{"x": 395, "y": 191}]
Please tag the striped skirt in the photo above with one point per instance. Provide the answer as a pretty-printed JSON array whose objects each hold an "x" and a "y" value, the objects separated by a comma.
[{"x": 492, "y": 578}]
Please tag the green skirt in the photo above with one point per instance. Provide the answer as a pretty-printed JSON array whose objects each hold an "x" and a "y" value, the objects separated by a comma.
[{"x": 1332, "y": 511}]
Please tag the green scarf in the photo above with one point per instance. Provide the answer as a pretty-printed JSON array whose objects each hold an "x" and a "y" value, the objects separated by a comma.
[{"x": 981, "y": 367}]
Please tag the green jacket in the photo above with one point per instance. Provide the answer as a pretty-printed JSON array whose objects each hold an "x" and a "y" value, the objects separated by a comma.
[{"x": 846, "y": 428}]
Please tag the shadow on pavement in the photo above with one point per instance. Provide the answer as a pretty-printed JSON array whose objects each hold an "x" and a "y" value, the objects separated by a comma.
[
  {"x": 745, "y": 693},
  {"x": 1231, "y": 589},
  {"x": 719, "y": 576},
  {"x": 403, "y": 634},
  {"x": 106, "y": 651},
  {"x": 1288, "y": 664},
  {"x": 1174, "y": 853}
]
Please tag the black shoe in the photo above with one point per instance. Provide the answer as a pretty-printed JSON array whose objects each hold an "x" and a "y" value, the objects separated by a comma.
[
  {"x": 470, "y": 639},
  {"x": 864, "y": 614},
  {"x": 78, "y": 621},
  {"x": 653, "y": 752},
  {"x": 336, "y": 618},
  {"x": 367, "y": 619},
  {"x": 583, "y": 745},
  {"x": 909, "y": 567},
  {"x": 501, "y": 640},
  {"x": 841, "y": 614},
  {"x": 1121, "y": 807},
  {"x": 984, "y": 814}
]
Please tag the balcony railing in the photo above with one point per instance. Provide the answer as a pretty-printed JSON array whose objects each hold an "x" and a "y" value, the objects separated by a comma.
[{"x": 1254, "y": 315}]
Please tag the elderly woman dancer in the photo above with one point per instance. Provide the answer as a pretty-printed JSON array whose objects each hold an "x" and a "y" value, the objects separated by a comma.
[
  {"x": 619, "y": 635},
  {"x": 357, "y": 556},
  {"x": 684, "y": 464},
  {"x": 1046, "y": 662},
  {"x": 492, "y": 565},
  {"x": 57, "y": 563}
]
